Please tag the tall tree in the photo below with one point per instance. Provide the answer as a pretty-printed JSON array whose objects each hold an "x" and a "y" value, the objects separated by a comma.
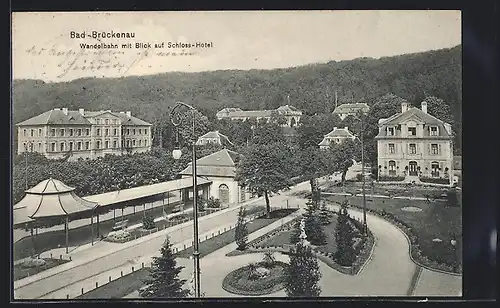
[
  {"x": 313, "y": 227},
  {"x": 265, "y": 169},
  {"x": 341, "y": 156},
  {"x": 164, "y": 279},
  {"x": 241, "y": 230},
  {"x": 185, "y": 128},
  {"x": 439, "y": 109},
  {"x": 344, "y": 237},
  {"x": 311, "y": 165},
  {"x": 268, "y": 133},
  {"x": 302, "y": 275}
]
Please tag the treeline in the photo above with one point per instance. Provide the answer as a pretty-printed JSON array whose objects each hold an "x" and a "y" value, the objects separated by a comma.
[{"x": 310, "y": 88}]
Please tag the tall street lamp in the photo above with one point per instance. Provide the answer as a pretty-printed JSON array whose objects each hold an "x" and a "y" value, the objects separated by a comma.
[
  {"x": 361, "y": 118},
  {"x": 176, "y": 153}
]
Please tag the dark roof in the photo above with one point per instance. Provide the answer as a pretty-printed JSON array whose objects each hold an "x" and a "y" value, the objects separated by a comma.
[
  {"x": 215, "y": 134},
  {"x": 339, "y": 132},
  {"x": 221, "y": 163},
  {"x": 56, "y": 117},
  {"x": 418, "y": 115},
  {"x": 352, "y": 108},
  {"x": 237, "y": 112}
]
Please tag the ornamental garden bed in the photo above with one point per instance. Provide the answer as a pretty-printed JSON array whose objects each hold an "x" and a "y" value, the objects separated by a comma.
[
  {"x": 279, "y": 240},
  {"x": 429, "y": 230},
  {"x": 243, "y": 281},
  {"x": 34, "y": 266},
  {"x": 227, "y": 237}
]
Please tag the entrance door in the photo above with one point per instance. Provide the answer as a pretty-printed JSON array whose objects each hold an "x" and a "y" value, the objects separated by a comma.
[
  {"x": 412, "y": 168},
  {"x": 224, "y": 194}
]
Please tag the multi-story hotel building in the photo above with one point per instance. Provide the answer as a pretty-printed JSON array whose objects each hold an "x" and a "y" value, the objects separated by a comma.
[
  {"x": 291, "y": 114},
  {"x": 83, "y": 134},
  {"x": 415, "y": 144}
]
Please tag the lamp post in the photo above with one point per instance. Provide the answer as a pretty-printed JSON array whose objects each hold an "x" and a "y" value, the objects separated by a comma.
[
  {"x": 176, "y": 153},
  {"x": 453, "y": 243}
]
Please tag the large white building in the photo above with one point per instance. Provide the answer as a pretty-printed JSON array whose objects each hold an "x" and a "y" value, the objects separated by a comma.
[
  {"x": 290, "y": 113},
  {"x": 413, "y": 144},
  {"x": 83, "y": 134}
]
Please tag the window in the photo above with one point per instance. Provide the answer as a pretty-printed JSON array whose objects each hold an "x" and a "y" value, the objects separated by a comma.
[
  {"x": 413, "y": 148},
  {"x": 434, "y": 131},
  {"x": 88, "y": 131},
  {"x": 133, "y": 142},
  {"x": 128, "y": 131},
  {"x": 71, "y": 145},
  {"x": 114, "y": 144},
  {"x": 412, "y": 131},
  {"x": 39, "y": 147},
  {"x": 79, "y": 132},
  {"x": 71, "y": 132},
  {"x": 133, "y": 132},
  {"x": 32, "y": 132},
  {"x": 145, "y": 142},
  {"x": 62, "y": 132},
  {"x": 390, "y": 131},
  {"x": 140, "y": 142},
  {"x": 87, "y": 145},
  {"x": 79, "y": 146},
  {"x": 53, "y": 146},
  {"x": 97, "y": 121},
  {"x": 434, "y": 149},
  {"x": 53, "y": 132},
  {"x": 114, "y": 132},
  {"x": 128, "y": 143},
  {"x": 24, "y": 132},
  {"x": 61, "y": 146},
  {"x": 392, "y": 168},
  {"x": 39, "y": 132},
  {"x": 106, "y": 132},
  {"x": 106, "y": 121},
  {"x": 98, "y": 132},
  {"x": 435, "y": 169},
  {"x": 98, "y": 144},
  {"x": 392, "y": 150},
  {"x": 106, "y": 144},
  {"x": 25, "y": 147}
]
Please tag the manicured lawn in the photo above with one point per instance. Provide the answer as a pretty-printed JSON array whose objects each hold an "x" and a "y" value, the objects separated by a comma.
[
  {"x": 435, "y": 221},
  {"x": 227, "y": 237},
  {"x": 283, "y": 238},
  {"x": 120, "y": 287},
  {"x": 386, "y": 189},
  {"x": 21, "y": 272}
]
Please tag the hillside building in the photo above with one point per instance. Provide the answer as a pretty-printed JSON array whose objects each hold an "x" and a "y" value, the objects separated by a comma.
[
  {"x": 336, "y": 136},
  {"x": 345, "y": 110},
  {"x": 290, "y": 113}
]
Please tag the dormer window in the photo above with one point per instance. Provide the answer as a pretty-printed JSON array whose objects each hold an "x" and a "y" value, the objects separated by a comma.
[
  {"x": 433, "y": 131},
  {"x": 390, "y": 131},
  {"x": 412, "y": 131}
]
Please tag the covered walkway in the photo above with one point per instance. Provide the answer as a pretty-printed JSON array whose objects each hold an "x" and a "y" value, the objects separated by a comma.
[{"x": 108, "y": 202}]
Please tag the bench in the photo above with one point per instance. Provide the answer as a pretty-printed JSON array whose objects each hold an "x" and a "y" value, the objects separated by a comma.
[{"x": 119, "y": 225}]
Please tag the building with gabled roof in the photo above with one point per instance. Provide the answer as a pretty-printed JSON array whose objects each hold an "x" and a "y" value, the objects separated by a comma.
[
  {"x": 59, "y": 133},
  {"x": 413, "y": 143},
  {"x": 214, "y": 137},
  {"x": 220, "y": 168},
  {"x": 345, "y": 110},
  {"x": 337, "y": 135},
  {"x": 290, "y": 113}
]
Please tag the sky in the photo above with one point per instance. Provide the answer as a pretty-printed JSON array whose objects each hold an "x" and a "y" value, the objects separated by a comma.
[{"x": 42, "y": 46}]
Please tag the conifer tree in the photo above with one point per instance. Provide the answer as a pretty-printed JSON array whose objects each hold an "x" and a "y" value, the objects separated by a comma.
[
  {"x": 163, "y": 281},
  {"x": 344, "y": 237},
  {"x": 302, "y": 275},
  {"x": 295, "y": 232},
  {"x": 324, "y": 214},
  {"x": 314, "y": 229},
  {"x": 241, "y": 230}
]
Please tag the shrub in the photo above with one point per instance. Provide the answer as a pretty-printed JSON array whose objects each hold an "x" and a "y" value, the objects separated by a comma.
[
  {"x": 434, "y": 180},
  {"x": 33, "y": 262},
  {"x": 241, "y": 231},
  {"x": 119, "y": 236},
  {"x": 148, "y": 222},
  {"x": 213, "y": 203},
  {"x": 201, "y": 203},
  {"x": 385, "y": 178},
  {"x": 268, "y": 260}
]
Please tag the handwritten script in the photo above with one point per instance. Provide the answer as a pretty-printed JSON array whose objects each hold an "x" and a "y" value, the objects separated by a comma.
[{"x": 96, "y": 60}]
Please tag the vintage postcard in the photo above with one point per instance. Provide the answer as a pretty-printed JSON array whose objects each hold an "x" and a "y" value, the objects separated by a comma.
[{"x": 169, "y": 155}]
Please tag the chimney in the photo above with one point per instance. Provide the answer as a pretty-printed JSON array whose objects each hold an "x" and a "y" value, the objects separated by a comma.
[
  {"x": 335, "y": 128},
  {"x": 424, "y": 106},
  {"x": 128, "y": 114},
  {"x": 404, "y": 107},
  {"x": 345, "y": 128},
  {"x": 81, "y": 111},
  {"x": 65, "y": 111}
]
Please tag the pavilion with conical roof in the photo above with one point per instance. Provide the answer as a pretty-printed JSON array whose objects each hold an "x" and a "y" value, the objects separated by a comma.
[{"x": 52, "y": 199}]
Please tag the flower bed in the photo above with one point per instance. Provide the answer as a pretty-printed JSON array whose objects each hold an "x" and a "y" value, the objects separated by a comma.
[
  {"x": 32, "y": 266},
  {"x": 240, "y": 281},
  {"x": 435, "y": 180},
  {"x": 121, "y": 236},
  {"x": 385, "y": 178},
  {"x": 415, "y": 250}
]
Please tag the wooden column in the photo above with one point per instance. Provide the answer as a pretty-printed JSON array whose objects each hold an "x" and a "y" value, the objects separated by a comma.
[
  {"x": 66, "y": 227},
  {"x": 98, "y": 229},
  {"x": 92, "y": 227}
]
